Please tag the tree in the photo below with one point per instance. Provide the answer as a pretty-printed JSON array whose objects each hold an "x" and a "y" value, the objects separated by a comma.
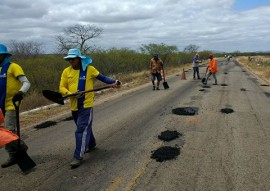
[
  {"x": 163, "y": 50},
  {"x": 191, "y": 48},
  {"x": 77, "y": 36},
  {"x": 25, "y": 49}
]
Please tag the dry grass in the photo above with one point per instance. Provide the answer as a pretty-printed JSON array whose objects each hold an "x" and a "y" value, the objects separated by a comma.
[{"x": 259, "y": 65}]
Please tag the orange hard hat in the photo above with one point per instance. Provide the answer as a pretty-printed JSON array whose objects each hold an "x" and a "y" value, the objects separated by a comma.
[{"x": 1, "y": 117}]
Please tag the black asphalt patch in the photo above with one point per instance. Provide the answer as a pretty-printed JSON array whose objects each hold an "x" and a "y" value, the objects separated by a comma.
[
  {"x": 185, "y": 111},
  {"x": 165, "y": 153},
  {"x": 267, "y": 94},
  {"x": 227, "y": 110},
  {"x": 169, "y": 135},
  {"x": 46, "y": 124},
  {"x": 206, "y": 86}
]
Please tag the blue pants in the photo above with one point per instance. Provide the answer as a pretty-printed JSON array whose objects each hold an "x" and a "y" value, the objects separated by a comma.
[{"x": 84, "y": 135}]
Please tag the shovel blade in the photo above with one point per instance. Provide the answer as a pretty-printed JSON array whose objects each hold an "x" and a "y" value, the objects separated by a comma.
[
  {"x": 24, "y": 161},
  {"x": 165, "y": 85},
  {"x": 55, "y": 97},
  {"x": 203, "y": 80}
]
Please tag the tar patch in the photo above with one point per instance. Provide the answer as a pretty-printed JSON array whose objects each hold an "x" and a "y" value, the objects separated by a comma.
[
  {"x": 185, "y": 111},
  {"x": 169, "y": 135},
  {"x": 206, "y": 86},
  {"x": 227, "y": 110},
  {"x": 45, "y": 124},
  {"x": 267, "y": 94},
  {"x": 165, "y": 153}
]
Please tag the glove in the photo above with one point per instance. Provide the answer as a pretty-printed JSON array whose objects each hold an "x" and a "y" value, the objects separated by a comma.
[
  {"x": 118, "y": 83},
  {"x": 18, "y": 96}
]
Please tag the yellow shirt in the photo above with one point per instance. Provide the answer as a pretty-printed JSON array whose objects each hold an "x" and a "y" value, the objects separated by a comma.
[
  {"x": 69, "y": 84},
  {"x": 13, "y": 84}
]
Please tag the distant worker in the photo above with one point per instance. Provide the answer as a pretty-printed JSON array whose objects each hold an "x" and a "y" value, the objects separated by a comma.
[
  {"x": 212, "y": 69},
  {"x": 195, "y": 65},
  {"x": 13, "y": 85},
  {"x": 156, "y": 66}
]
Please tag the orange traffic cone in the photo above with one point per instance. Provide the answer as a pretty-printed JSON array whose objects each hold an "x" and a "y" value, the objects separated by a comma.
[{"x": 183, "y": 77}]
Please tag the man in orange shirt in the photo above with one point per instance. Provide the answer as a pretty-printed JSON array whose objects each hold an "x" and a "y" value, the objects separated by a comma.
[{"x": 212, "y": 69}]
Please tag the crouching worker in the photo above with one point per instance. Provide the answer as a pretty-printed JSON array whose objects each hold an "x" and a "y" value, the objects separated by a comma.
[
  {"x": 80, "y": 76},
  {"x": 6, "y": 136}
]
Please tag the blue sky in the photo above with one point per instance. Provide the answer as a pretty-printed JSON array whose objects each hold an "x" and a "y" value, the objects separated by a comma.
[
  {"x": 222, "y": 25},
  {"x": 249, "y": 4}
]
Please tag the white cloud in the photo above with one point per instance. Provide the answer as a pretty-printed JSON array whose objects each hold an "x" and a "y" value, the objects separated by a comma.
[{"x": 210, "y": 24}]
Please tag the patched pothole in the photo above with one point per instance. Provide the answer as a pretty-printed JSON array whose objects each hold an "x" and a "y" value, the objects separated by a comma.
[
  {"x": 46, "y": 124},
  {"x": 165, "y": 153},
  {"x": 206, "y": 86},
  {"x": 169, "y": 135},
  {"x": 185, "y": 111},
  {"x": 267, "y": 94},
  {"x": 227, "y": 110}
]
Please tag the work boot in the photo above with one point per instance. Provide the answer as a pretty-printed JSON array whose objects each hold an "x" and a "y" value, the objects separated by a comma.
[
  {"x": 157, "y": 88},
  {"x": 75, "y": 163},
  {"x": 154, "y": 87},
  {"x": 9, "y": 162}
]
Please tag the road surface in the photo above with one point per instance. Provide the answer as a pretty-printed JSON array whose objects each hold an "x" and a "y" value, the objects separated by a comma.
[{"x": 218, "y": 151}]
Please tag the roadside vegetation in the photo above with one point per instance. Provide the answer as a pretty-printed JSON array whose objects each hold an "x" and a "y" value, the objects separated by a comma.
[{"x": 259, "y": 65}]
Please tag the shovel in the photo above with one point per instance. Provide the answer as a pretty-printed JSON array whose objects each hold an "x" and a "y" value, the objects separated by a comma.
[
  {"x": 22, "y": 159},
  {"x": 204, "y": 78},
  {"x": 57, "y": 97},
  {"x": 165, "y": 84}
]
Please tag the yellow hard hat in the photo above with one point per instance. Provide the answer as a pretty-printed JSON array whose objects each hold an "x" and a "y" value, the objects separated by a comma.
[{"x": 1, "y": 117}]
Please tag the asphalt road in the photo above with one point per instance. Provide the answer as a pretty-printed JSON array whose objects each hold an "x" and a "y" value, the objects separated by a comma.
[{"x": 218, "y": 151}]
